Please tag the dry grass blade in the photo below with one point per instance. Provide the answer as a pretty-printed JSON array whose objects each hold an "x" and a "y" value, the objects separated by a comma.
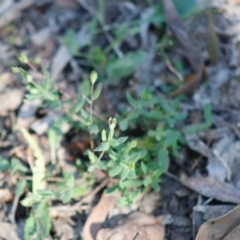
[
  {"x": 192, "y": 53},
  {"x": 225, "y": 227},
  {"x": 212, "y": 39}
]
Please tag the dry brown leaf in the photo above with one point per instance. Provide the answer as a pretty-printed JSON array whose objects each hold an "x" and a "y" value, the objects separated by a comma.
[
  {"x": 10, "y": 99},
  {"x": 8, "y": 231},
  {"x": 234, "y": 234},
  {"x": 212, "y": 188},
  {"x": 220, "y": 228},
  {"x": 138, "y": 226},
  {"x": 192, "y": 53},
  {"x": 5, "y": 79},
  {"x": 5, "y": 195},
  {"x": 98, "y": 216},
  {"x": 60, "y": 60}
]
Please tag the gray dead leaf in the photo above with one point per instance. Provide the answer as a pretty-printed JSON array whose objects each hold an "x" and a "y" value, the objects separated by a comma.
[
  {"x": 234, "y": 51},
  {"x": 212, "y": 188},
  {"x": 221, "y": 77},
  {"x": 14, "y": 11},
  {"x": 203, "y": 213},
  {"x": 60, "y": 61},
  {"x": 138, "y": 226},
  {"x": 10, "y": 99},
  {"x": 8, "y": 231},
  {"x": 41, "y": 126},
  {"x": 221, "y": 227},
  {"x": 200, "y": 147},
  {"x": 144, "y": 27},
  {"x": 26, "y": 113},
  {"x": 41, "y": 37},
  {"x": 5, "y": 5},
  {"x": 84, "y": 37}
]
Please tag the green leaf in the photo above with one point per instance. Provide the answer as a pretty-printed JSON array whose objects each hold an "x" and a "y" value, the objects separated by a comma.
[
  {"x": 20, "y": 187},
  {"x": 163, "y": 159},
  {"x": 85, "y": 87},
  {"x": 93, "y": 129},
  {"x": 15, "y": 69},
  {"x": 93, "y": 158},
  {"x": 132, "y": 174},
  {"x": 54, "y": 137},
  {"x": 33, "y": 96},
  {"x": 97, "y": 92},
  {"x": 147, "y": 181},
  {"x": 132, "y": 183},
  {"x": 70, "y": 180},
  {"x": 131, "y": 100},
  {"x": 70, "y": 40},
  {"x": 4, "y": 165},
  {"x": 22, "y": 58},
  {"x": 17, "y": 166},
  {"x": 104, "y": 146},
  {"x": 110, "y": 135},
  {"x": 125, "y": 173},
  {"x": 67, "y": 195},
  {"x": 171, "y": 139},
  {"x": 101, "y": 165},
  {"x": 123, "y": 125},
  {"x": 186, "y": 7},
  {"x": 115, "y": 171},
  {"x": 78, "y": 105},
  {"x": 104, "y": 135},
  {"x": 117, "y": 141},
  {"x": 125, "y": 66},
  {"x": 47, "y": 193},
  {"x": 155, "y": 186},
  {"x": 207, "y": 110},
  {"x": 43, "y": 219},
  {"x": 143, "y": 168},
  {"x": 113, "y": 189},
  {"x": 31, "y": 199}
]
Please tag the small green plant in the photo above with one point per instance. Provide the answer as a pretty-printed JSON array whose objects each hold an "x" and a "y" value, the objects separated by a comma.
[{"x": 136, "y": 162}]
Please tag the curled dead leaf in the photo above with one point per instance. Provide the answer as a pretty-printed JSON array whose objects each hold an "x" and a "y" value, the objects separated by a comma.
[{"x": 226, "y": 227}]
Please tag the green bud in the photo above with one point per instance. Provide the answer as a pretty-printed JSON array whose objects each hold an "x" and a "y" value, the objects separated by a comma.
[
  {"x": 15, "y": 69},
  {"x": 104, "y": 135},
  {"x": 112, "y": 123},
  {"x": 22, "y": 58},
  {"x": 93, "y": 77},
  {"x": 134, "y": 143}
]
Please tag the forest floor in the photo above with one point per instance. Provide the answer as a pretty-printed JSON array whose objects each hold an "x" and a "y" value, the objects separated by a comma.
[{"x": 185, "y": 52}]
